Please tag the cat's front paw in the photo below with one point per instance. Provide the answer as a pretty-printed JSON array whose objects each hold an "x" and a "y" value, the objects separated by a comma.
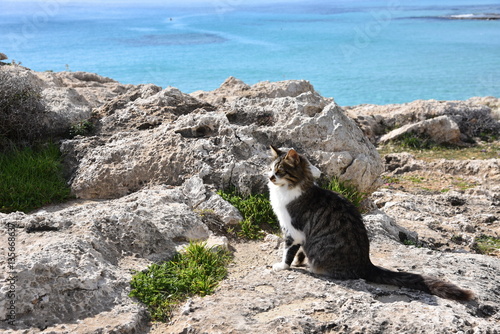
[{"x": 280, "y": 266}]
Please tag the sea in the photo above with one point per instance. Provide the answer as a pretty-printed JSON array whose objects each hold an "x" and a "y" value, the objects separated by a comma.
[{"x": 356, "y": 51}]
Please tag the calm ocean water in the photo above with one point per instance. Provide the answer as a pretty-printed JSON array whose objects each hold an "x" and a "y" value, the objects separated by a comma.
[{"x": 355, "y": 51}]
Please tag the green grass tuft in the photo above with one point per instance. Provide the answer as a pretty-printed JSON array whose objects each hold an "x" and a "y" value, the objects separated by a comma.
[
  {"x": 414, "y": 141},
  {"x": 346, "y": 189},
  {"x": 31, "y": 178},
  {"x": 487, "y": 245},
  {"x": 82, "y": 128},
  {"x": 425, "y": 149},
  {"x": 195, "y": 271},
  {"x": 257, "y": 213}
]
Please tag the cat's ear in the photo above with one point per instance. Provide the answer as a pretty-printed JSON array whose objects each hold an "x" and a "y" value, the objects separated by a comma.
[
  {"x": 275, "y": 152},
  {"x": 293, "y": 156}
]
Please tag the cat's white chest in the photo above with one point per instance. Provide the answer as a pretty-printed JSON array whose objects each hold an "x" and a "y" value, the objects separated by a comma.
[{"x": 280, "y": 197}]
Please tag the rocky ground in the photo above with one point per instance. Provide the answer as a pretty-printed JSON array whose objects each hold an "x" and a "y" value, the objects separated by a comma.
[
  {"x": 155, "y": 157},
  {"x": 443, "y": 229},
  {"x": 449, "y": 203}
]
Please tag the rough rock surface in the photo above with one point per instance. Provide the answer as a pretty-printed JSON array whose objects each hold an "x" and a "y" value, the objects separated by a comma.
[
  {"x": 69, "y": 96},
  {"x": 151, "y": 136},
  {"x": 73, "y": 95},
  {"x": 74, "y": 262},
  {"x": 442, "y": 130},
  {"x": 490, "y": 101},
  {"x": 472, "y": 116},
  {"x": 449, "y": 203},
  {"x": 254, "y": 299},
  {"x": 485, "y": 172}
]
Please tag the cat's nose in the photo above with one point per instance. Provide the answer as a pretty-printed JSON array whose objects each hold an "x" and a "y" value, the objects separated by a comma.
[{"x": 272, "y": 178}]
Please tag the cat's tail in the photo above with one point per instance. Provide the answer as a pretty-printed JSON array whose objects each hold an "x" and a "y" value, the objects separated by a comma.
[{"x": 415, "y": 281}]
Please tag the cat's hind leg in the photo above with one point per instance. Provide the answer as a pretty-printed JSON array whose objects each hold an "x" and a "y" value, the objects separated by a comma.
[
  {"x": 300, "y": 259},
  {"x": 319, "y": 270},
  {"x": 288, "y": 255}
]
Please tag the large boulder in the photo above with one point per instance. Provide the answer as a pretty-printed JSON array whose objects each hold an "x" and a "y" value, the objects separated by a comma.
[
  {"x": 233, "y": 89},
  {"x": 473, "y": 117},
  {"x": 168, "y": 136},
  {"x": 490, "y": 101},
  {"x": 74, "y": 263},
  {"x": 66, "y": 98},
  {"x": 441, "y": 130}
]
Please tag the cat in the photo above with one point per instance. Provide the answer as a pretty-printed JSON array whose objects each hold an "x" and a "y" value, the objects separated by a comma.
[{"x": 328, "y": 230}]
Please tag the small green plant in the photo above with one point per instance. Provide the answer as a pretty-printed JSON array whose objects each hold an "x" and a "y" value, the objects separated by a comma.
[
  {"x": 31, "y": 178},
  {"x": 346, "y": 189},
  {"x": 414, "y": 141},
  {"x": 390, "y": 179},
  {"x": 487, "y": 245},
  {"x": 416, "y": 179},
  {"x": 195, "y": 271},
  {"x": 410, "y": 242},
  {"x": 82, "y": 128},
  {"x": 490, "y": 136},
  {"x": 250, "y": 230},
  {"x": 462, "y": 184},
  {"x": 256, "y": 211}
]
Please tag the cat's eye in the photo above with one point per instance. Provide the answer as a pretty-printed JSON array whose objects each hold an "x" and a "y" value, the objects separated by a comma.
[{"x": 280, "y": 172}]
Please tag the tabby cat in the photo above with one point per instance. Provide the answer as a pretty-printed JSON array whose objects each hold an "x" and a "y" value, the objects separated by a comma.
[{"x": 330, "y": 231}]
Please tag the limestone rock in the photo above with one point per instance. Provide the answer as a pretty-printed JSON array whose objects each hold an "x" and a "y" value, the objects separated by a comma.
[
  {"x": 490, "y": 101},
  {"x": 233, "y": 89},
  {"x": 442, "y": 130},
  {"x": 144, "y": 107},
  {"x": 68, "y": 97},
  {"x": 93, "y": 88},
  {"x": 230, "y": 89},
  {"x": 446, "y": 202},
  {"x": 162, "y": 154},
  {"x": 255, "y": 299},
  {"x": 214, "y": 242},
  {"x": 73, "y": 265},
  {"x": 71, "y": 96},
  {"x": 484, "y": 171},
  {"x": 66, "y": 106},
  {"x": 227, "y": 213},
  {"x": 380, "y": 225},
  {"x": 472, "y": 116},
  {"x": 398, "y": 163},
  {"x": 195, "y": 191},
  {"x": 223, "y": 144}
]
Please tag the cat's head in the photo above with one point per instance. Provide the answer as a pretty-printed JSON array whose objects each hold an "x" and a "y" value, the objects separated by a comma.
[{"x": 290, "y": 169}]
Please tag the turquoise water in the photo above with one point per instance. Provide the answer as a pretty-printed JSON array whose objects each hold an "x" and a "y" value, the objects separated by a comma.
[{"x": 355, "y": 51}]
